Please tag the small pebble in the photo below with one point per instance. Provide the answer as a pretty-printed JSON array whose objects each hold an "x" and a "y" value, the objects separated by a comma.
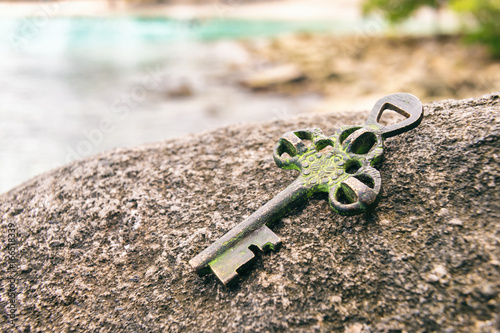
[
  {"x": 487, "y": 290},
  {"x": 443, "y": 212},
  {"x": 385, "y": 222},
  {"x": 455, "y": 222},
  {"x": 354, "y": 328},
  {"x": 432, "y": 278},
  {"x": 336, "y": 299},
  {"x": 440, "y": 270}
]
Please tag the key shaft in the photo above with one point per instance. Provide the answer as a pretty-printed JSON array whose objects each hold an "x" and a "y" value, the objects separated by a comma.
[{"x": 276, "y": 208}]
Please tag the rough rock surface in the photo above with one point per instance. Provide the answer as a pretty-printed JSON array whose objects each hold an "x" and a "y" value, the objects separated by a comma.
[{"x": 103, "y": 243}]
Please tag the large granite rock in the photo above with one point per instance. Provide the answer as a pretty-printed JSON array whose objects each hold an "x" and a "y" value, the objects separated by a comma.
[{"x": 103, "y": 244}]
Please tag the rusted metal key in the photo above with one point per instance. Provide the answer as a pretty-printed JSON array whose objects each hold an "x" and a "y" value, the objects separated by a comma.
[{"x": 341, "y": 165}]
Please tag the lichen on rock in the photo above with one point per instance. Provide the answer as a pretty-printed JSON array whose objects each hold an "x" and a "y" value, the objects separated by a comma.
[{"x": 103, "y": 244}]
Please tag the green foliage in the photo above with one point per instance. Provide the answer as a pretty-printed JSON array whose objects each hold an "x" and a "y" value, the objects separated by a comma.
[
  {"x": 397, "y": 10},
  {"x": 485, "y": 14}
]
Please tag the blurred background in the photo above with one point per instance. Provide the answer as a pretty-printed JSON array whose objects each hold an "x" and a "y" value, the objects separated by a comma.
[{"x": 81, "y": 77}]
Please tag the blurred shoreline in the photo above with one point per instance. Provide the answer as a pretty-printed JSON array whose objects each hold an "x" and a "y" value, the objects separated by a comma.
[
  {"x": 70, "y": 66},
  {"x": 351, "y": 73}
]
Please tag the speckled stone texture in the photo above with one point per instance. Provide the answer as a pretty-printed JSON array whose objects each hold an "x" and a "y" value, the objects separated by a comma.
[{"x": 103, "y": 244}]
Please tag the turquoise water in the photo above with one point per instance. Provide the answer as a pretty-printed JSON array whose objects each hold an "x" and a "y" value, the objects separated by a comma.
[
  {"x": 116, "y": 30},
  {"x": 213, "y": 29}
]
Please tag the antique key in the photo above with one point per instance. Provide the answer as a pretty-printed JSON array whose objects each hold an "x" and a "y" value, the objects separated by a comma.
[{"x": 341, "y": 165}]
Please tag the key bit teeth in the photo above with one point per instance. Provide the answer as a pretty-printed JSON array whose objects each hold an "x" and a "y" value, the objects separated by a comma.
[
  {"x": 225, "y": 267},
  {"x": 228, "y": 263}
]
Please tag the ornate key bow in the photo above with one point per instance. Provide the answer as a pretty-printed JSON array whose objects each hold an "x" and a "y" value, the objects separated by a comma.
[{"x": 341, "y": 164}]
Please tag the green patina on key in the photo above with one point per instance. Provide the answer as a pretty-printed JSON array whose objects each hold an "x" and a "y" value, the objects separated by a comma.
[{"x": 341, "y": 165}]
